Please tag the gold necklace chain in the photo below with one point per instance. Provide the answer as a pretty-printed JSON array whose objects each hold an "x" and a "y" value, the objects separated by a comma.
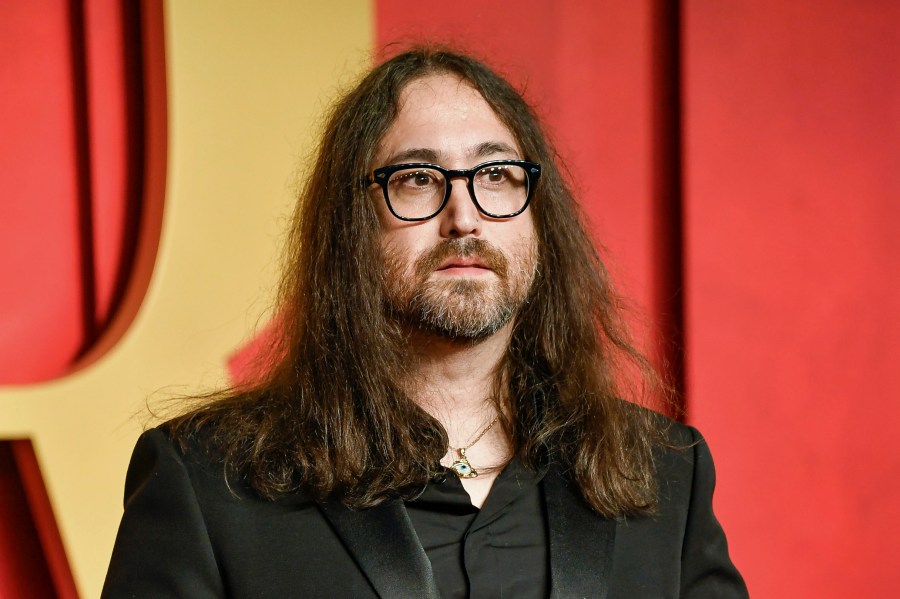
[{"x": 461, "y": 465}]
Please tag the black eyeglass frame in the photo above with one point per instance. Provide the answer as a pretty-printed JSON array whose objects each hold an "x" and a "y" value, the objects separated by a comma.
[{"x": 382, "y": 175}]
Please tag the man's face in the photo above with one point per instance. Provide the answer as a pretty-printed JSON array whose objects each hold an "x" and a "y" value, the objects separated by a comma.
[{"x": 461, "y": 274}]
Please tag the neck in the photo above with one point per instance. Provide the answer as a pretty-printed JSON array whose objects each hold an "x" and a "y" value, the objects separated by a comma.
[
  {"x": 456, "y": 380},
  {"x": 456, "y": 383}
]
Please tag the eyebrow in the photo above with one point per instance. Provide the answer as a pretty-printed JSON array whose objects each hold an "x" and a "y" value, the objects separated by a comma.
[
  {"x": 482, "y": 150},
  {"x": 489, "y": 148},
  {"x": 414, "y": 154}
]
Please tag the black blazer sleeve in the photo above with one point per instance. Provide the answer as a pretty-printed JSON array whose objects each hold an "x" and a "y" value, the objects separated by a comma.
[
  {"x": 162, "y": 548},
  {"x": 707, "y": 571},
  {"x": 678, "y": 552}
]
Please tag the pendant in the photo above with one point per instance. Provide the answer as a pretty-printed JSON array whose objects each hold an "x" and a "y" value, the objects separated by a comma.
[{"x": 462, "y": 467}]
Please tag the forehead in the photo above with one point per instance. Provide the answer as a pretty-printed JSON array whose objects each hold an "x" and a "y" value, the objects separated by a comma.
[{"x": 449, "y": 117}]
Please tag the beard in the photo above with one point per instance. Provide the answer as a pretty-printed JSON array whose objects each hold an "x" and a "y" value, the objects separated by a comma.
[{"x": 460, "y": 309}]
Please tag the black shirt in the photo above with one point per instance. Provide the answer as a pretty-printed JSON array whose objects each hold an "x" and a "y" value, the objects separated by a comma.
[{"x": 500, "y": 550}]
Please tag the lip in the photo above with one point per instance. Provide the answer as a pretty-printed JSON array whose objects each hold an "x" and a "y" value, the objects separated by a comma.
[{"x": 462, "y": 264}]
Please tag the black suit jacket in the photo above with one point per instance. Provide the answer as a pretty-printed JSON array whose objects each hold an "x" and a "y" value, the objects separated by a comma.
[{"x": 186, "y": 532}]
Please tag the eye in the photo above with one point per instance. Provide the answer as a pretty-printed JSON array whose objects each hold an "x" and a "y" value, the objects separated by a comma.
[
  {"x": 416, "y": 179},
  {"x": 492, "y": 175},
  {"x": 421, "y": 179}
]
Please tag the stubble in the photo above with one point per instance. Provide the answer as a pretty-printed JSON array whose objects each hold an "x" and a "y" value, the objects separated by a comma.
[{"x": 460, "y": 309}]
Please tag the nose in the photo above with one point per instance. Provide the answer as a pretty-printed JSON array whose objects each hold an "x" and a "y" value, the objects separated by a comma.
[{"x": 460, "y": 217}]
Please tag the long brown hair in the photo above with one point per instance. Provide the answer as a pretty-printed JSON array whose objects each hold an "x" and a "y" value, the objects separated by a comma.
[{"x": 331, "y": 418}]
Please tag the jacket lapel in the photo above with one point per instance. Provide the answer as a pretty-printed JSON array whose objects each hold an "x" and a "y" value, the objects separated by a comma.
[
  {"x": 581, "y": 542},
  {"x": 384, "y": 544}
]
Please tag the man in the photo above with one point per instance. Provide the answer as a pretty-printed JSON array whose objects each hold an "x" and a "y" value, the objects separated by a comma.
[{"x": 443, "y": 417}]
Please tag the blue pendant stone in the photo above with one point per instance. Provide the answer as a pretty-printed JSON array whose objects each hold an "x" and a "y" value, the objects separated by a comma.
[{"x": 462, "y": 469}]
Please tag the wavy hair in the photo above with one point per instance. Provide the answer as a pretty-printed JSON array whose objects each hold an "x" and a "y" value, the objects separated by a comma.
[{"x": 331, "y": 418}]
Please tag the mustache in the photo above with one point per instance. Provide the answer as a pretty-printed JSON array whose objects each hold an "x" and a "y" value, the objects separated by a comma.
[{"x": 462, "y": 248}]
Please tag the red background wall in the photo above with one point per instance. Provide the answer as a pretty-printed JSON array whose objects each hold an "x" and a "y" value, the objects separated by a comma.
[
  {"x": 792, "y": 201},
  {"x": 73, "y": 174},
  {"x": 738, "y": 160}
]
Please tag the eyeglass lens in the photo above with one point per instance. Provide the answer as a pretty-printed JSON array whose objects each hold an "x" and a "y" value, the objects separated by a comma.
[{"x": 500, "y": 190}]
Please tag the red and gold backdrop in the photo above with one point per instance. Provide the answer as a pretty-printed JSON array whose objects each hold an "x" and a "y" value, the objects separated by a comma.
[{"x": 738, "y": 160}]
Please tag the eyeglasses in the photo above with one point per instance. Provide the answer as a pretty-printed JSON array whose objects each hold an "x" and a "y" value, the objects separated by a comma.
[{"x": 419, "y": 191}]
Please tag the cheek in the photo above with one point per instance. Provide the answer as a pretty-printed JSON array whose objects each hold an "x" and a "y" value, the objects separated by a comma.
[
  {"x": 527, "y": 225},
  {"x": 524, "y": 249},
  {"x": 521, "y": 235},
  {"x": 385, "y": 219},
  {"x": 401, "y": 254},
  {"x": 407, "y": 241}
]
